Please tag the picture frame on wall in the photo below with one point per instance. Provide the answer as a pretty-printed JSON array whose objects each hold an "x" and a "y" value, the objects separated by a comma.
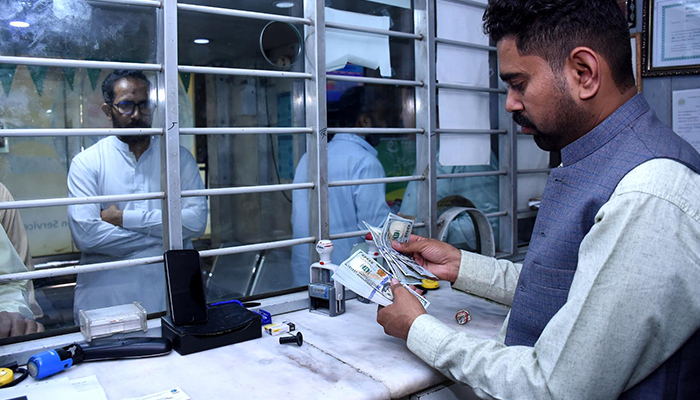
[
  {"x": 670, "y": 37},
  {"x": 636, "y": 44}
]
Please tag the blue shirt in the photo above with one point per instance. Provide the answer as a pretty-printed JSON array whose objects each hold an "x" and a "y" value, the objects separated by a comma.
[{"x": 349, "y": 157}]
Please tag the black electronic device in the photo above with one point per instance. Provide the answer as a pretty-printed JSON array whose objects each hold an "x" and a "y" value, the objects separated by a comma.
[{"x": 183, "y": 275}]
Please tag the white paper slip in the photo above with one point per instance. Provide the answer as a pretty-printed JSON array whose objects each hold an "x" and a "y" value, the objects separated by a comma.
[
  {"x": 88, "y": 388},
  {"x": 170, "y": 394}
]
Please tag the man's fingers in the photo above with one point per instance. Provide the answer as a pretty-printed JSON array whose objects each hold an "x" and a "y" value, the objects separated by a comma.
[
  {"x": 395, "y": 284},
  {"x": 5, "y": 324},
  {"x": 19, "y": 326},
  {"x": 416, "y": 244},
  {"x": 33, "y": 327}
]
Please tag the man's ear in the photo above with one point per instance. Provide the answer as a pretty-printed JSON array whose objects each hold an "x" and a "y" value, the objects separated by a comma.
[
  {"x": 584, "y": 71},
  {"x": 106, "y": 108}
]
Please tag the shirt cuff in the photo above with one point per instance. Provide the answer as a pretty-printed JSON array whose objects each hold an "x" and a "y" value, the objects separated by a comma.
[
  {"x": 131, "y": 219},
  {"x": 426, "y": 336},
  {"x": 475, "y": 274}
]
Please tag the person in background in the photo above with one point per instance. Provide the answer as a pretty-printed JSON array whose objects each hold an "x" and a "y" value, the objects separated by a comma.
[
  {"x": 479, "y": 192},
  {"x": 14, "y": 228},
  {"x": 606, "y": 304},
  {"x": 119, "y": 165},
  {"x": 16, "y": 316},
  {"x": 350, "y": 157}
]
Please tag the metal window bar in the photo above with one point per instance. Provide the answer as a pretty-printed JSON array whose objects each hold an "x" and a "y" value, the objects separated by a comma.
[
  {"x": 375, "y": 131},
  {"x": 71, "y": 63},
  {"x": 242, "y": 14},
  {"x": 472, "y": 174},
  {"x": 76, "y": 269},
  {"x": 246, "y": 189},
  {"x": 170, "y": 148},
  {"x": 63, "y": 271},
  {"x": 256, "y": 247},
  {"x": 426, "y": 113},
  {"x": 472, "y": 131},
  {"x": 496, "y": 214},
  {"x": 144, "y": 3},
  {"x": 374, "y": 81},
  {"x": 534, "y": 171},
  {"x": 469, "y": 3},
  {"x": 385, "y": 32},
  {"x": 392, "y": 179},
  {"x": 467, "y": 45},
  {"x": 459, "y": 86},
  {"x": 55, "y": 132},
  {"x": 316, "y": 112},
  {"x": 346, "y": 235},
  {"x": 69, "y": 201},
  {"x": 243, "y": 72},
  {"x": 245, "y": 131}
]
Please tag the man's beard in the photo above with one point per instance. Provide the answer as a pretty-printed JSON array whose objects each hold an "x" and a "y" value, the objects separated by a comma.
[
  {"x": 138, "y": 124},
  {"x": 131, "y": 140},
  {"x": 566, "y": 120}
]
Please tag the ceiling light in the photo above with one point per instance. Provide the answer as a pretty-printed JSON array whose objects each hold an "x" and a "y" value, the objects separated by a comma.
[
  {"x": 201, "y": 41},
  {"x": 284, "y": 4},
  {"x": 19, "y": 24}
]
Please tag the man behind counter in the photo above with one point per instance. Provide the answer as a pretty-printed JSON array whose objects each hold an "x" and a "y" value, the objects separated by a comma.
[
  {"x": 128, "y": 229},
  {"x": 606, "y": 304}
]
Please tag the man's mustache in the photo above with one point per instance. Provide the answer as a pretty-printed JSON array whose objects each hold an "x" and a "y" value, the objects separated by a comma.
[{"x": 523, "y": 121}]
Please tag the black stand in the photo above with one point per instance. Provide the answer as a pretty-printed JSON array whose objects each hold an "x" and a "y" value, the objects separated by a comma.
[{"x": 227, "y": 324}]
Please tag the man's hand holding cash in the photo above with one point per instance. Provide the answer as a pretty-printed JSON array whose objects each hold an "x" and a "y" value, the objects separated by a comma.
[{"x": 365, "y": 276}]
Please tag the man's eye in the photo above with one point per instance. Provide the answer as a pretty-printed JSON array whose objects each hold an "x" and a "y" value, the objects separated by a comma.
[{"x": 517, "y": 87}]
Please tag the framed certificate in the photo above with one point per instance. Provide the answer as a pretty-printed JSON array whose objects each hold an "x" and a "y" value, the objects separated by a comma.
[{"x": 671, "y": 37}]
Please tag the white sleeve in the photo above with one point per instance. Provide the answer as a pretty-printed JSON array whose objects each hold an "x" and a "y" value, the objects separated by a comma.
[
  {"x": 13, "y": 295},
  {"x": 90, "y": 233},
  {"x": 194, "y": 209}
]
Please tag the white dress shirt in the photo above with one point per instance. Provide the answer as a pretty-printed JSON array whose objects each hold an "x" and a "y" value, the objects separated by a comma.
[
  {"x": 350, "y": 157},
  {"x": 634, "y": 300},
  {"x": 109, "y": 168}
]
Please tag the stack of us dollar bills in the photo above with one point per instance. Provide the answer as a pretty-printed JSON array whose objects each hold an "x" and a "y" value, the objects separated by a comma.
[{"x": 368, "y": 278}]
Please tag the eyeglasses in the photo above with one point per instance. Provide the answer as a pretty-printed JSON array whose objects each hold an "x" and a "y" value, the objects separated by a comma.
[{"x": 128, "y": 107}]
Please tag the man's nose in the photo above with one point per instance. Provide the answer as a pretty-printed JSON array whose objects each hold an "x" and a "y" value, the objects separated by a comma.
[
  {"x": 513, "y": 102},
  {"x": 136, "y": 114}
]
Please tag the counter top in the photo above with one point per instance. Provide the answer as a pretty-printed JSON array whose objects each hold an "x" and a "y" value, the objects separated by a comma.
[{"x": 344, "y": 357}]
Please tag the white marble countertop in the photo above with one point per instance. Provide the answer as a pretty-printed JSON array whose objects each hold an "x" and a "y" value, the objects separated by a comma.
[{"x": 344, "y": 357}]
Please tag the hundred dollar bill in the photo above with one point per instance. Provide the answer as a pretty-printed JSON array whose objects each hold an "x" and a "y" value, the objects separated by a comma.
[
  {"x": 397, "y": 228},
  {"x": 423, "y": 301},
  {"x": 370, "y": 272},
  {"x": 396, "y": 260}
]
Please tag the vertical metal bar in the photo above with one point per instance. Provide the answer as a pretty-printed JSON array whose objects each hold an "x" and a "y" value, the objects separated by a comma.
[
  {"x": 424, "y": 24},
  {"x": 508, "y": 158},
  {"x": 170, "y": 142},
  {"x": 317, "y": 144}
]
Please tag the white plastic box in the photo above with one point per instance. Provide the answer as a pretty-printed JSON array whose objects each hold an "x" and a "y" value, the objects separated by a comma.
[{"x": 107, "y": 321}]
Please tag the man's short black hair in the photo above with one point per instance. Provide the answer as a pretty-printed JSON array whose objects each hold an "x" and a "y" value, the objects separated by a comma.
[
  {"x": 116, "y": 76},
  {"x": 551, "y": 29},
  {"x": 363, "y": 100}
]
